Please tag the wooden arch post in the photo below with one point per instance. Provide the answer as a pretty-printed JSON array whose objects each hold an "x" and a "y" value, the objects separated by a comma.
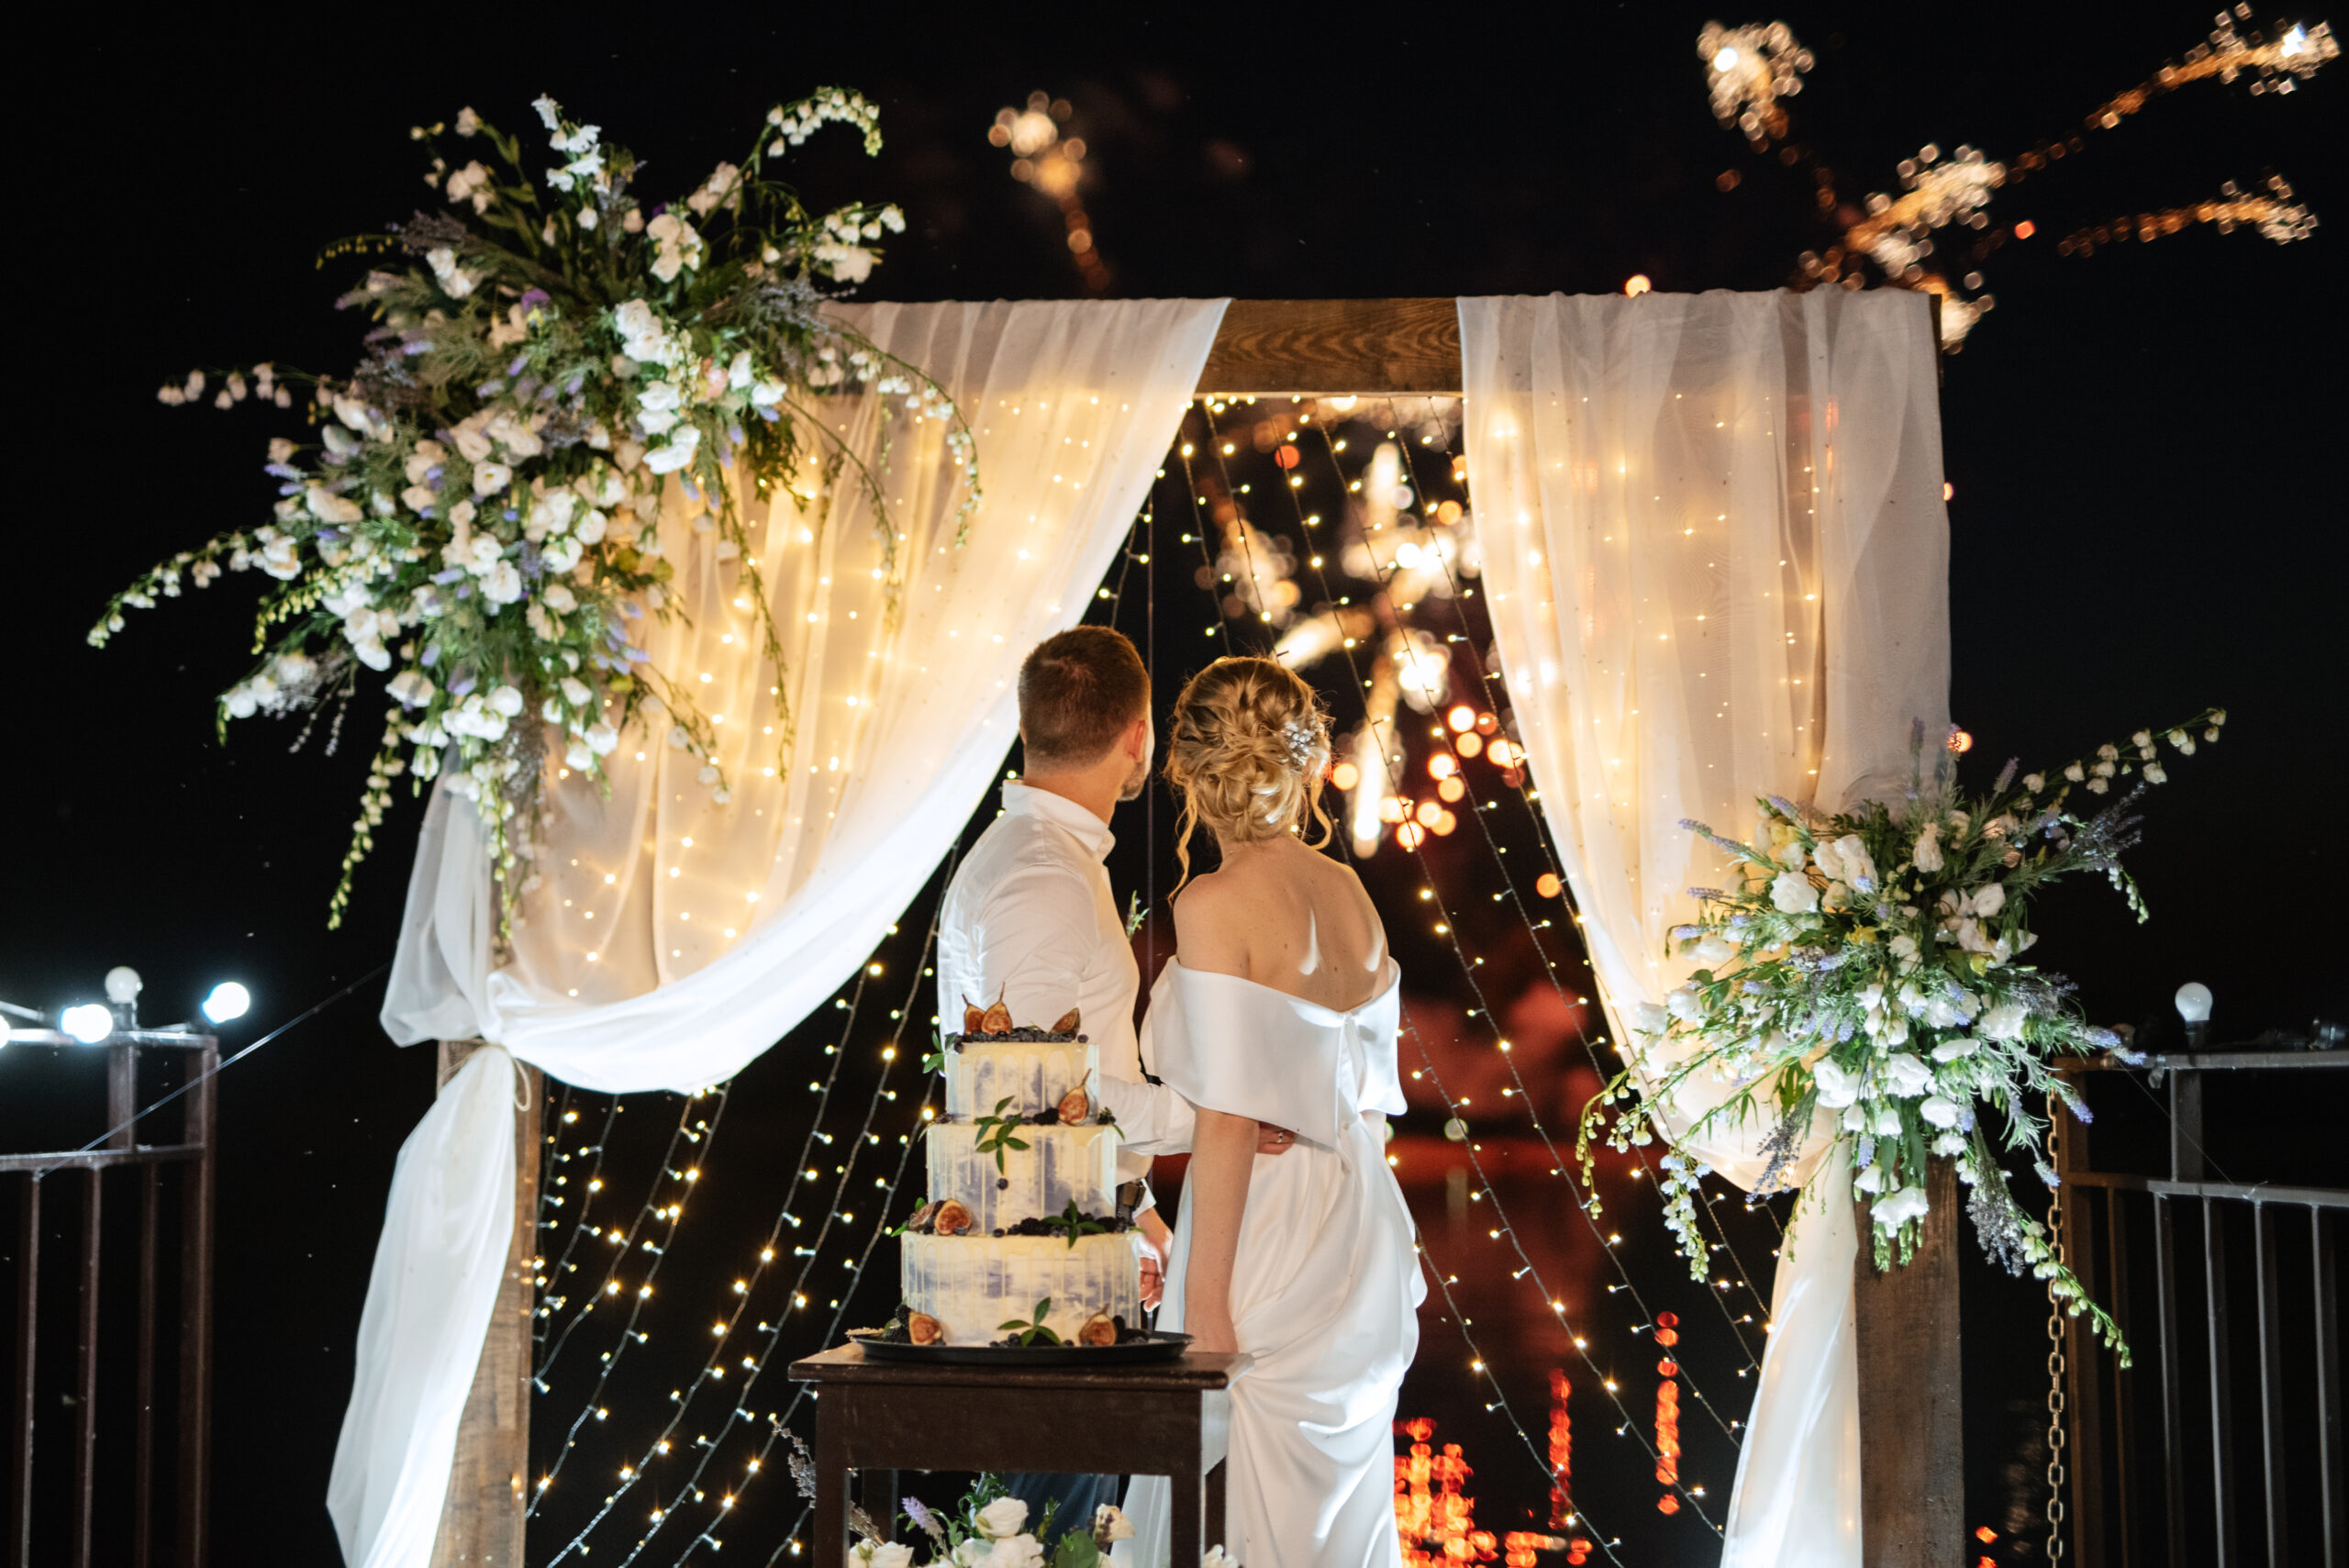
[{"x": 1910, "y": 1425}]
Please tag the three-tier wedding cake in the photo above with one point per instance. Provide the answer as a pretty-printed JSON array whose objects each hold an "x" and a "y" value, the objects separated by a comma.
[{"x": 1023, "y": 1231}]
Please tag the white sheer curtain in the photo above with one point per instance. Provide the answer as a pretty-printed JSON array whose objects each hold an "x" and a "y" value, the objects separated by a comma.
[
  {"x": 1717, "y": 562},
  {"x": 672, "y": 938}
]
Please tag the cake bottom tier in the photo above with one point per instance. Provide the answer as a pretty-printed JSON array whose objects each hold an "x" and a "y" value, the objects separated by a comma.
[{"x": 973, "y": 1284}]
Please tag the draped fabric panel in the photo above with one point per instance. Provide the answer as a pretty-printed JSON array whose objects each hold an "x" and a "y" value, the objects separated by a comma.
[
  {"x": 1717, "y": 566},
  {"x": 669, "y": 937}
]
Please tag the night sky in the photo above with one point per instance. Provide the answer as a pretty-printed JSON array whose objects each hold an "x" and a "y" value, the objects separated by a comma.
[{"x": 2137, "y": 443}]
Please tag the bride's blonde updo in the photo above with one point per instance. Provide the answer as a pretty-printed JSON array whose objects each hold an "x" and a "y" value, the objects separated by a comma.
[{"x": 1247, "y": 756}]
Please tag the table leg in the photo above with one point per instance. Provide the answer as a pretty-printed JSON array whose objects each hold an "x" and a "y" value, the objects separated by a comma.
[
  {"x": 1185, "y": 1545},
  {"x": 878, "y": 1490},
  {"x": 1215, "y": 1506},
  {"x": 831, "y": 1488}
]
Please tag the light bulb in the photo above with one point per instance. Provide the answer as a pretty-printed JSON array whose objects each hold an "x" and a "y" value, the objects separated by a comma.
[
  {"x": 89, "y": 1023},
  {"x": 1726, "y": 60},
  {"x": 123, "y": 984},
  {"x": 228, "y": 1000},
  {"x": 2194, "y": 1002}
]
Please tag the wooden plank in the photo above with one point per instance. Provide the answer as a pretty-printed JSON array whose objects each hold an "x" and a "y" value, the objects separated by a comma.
[
  {"x": 1913, "y": 1474},
  {"x": 1336, "y": 346},
  {"x": 489, "y": 1486}
]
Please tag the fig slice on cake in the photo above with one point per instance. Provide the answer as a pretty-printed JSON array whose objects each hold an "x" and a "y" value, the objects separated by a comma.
[
  {"x": 1071, "y": 1021},
  {"x": 973, "y": 1019},
  {"x": 924, "y": 1330},
  {"x": 951, "y": 1218},
  {"x": 996, "y": 1019},
  {"x": 1097, "y": 1330},
  {"x": 1076, "y": 1105}
]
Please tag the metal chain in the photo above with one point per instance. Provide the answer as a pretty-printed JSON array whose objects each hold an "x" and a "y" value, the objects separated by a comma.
[{"x": 2056, "y": 1438}]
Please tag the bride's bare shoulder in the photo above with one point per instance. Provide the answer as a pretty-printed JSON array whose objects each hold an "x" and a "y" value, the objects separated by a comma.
[{"x": 1209, "y": 931}]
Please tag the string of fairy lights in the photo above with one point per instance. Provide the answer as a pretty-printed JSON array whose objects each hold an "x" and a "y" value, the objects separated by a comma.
[{"x": 1446, "y": 925}]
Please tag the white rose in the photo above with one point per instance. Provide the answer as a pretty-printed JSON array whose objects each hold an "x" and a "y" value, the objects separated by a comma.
[
  {"x": 506, "y": 700},
  {"x": 1837, "y": 1087},
  {"x": 1792, "y": 893},
  {"x": 1713, "y": 949},
  {"x": 2004, "y": 1021},
  {"x": 471, "y": 443},
  {"x": 411, "y": 688},
  {"x": 1003, "y": 1517},
  {"x": 575, "y": 691},
  {"x": 1649, "y": 1019},
  {"x": 674, "y": 456},
  {"x": 1928, "y": 853},
  {"x": 972, "y": 1552},
  {"x": 559, "y": 598},
  {"x": 577, "y": 755},
  {"x": 892, "y": 1555},
  {"x": 590, "y": 530},
  {"x": 1909, "y": 1076},
  {"x": 562, "y": 555},
  {"x": 1683, "y": 1003},
  {"x": 1016, "y": 1551},
  {"x": 1954, "y": 1050},
  {"x": 602, "y": 738},
  {"x": 640, "y": 332},
  {"x": 489, "y": 478},
  {"x": 1938, "y": 1111},
  {"x": 1988, "y": 900}
]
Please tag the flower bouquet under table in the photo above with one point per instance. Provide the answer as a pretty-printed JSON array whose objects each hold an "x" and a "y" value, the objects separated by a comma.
[
  {"x": 1865, "y": 965},
  {"x": 478, "y": 514}
]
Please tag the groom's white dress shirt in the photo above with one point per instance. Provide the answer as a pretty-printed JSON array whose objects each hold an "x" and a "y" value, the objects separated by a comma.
[{"x": 1029, "y": 918}]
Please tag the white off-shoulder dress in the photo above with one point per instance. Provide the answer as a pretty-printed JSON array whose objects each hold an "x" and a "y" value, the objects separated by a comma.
[{"x": 1326, "y": 1284}]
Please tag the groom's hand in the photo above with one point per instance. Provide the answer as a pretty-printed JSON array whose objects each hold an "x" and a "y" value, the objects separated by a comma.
[
  {"x": 1271, "y": 1139},
  {"x": 1157, "y": 1242}
]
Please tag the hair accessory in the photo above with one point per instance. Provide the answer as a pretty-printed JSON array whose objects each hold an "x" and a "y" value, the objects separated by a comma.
[{"x": 1302, "y": 742}]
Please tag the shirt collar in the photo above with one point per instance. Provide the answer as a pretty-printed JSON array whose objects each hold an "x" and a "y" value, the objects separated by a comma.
[{"x": 1025, "y": 800}]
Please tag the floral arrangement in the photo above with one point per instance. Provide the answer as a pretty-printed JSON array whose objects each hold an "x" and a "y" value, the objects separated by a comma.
[
  {"x": 478, "y": 516},
  {"x": 1866, "y": 965}
]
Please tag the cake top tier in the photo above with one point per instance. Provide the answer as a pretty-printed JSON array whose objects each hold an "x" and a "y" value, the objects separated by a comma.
[{"x": 995, "y": 1066}]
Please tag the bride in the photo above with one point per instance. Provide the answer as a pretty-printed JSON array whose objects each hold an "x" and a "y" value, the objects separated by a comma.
[{"x": 1281, "y": 1007}]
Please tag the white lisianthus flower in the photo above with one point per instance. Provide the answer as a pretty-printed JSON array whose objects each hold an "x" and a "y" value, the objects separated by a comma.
[
  {"x": 643, "y": 335},
  {"x": 1926, "y": 855},
  {"x": 766, "y": 393},
  {"x": 675, "y": 245},
  {"x": 1955, "y": 1050},
  {"x": 1837, "y": 1087},
  {"x": 1003, "y": 1517},
  {"x": 1846, "y": 860},
  {"x": 489, "y": 478},
  {"x": 678, "y": 453},
  {"x": 575, "y": 691},
  {"x": 562, "y": 555},
  {"x": 590, "y": 529},
  {"x": 506, "y": 700},
  {"x": 1909, "y": 1076},
  {"x": 1792, "y": 893},
  {"x": 721, "y": 184},
  {"x": 1647, "y": 1017},
  {"x": 1897, "y": 1209},
  {"x": 890, "y": 1554},
  {"x": 1938, "y": 1111},
  {"x": 2004, "y": 1021},
  {"x": 602, "y": 739},
  {"x": 411, "y": 688},
  {"x": 1988, "y": 899},
  {"x": 1903, "y": 948},
  {"x": 559, "y": 598},
  {"x": 1683, "y": 1002},
  {"x": 330, "y": 507},
  {"x": 454, "y": 280},
  {"x": 577, "y": 755},
  {"x": 238, "y": 701},
  {"x": 502, "y": 584},
  {"x": 972, "y": 1552},
  {"x": 1713, "y": 949},
  {"x": 418, "y": 498},
  {"x": 543, "y": 627}
]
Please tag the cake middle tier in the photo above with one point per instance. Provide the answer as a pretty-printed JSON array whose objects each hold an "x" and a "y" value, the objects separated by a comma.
[
  {"x": 1032, "y": 1074},
  {"x": 1059, "y": 1164}
]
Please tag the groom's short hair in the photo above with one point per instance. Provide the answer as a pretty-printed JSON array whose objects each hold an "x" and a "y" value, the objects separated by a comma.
[{"x": 1078, "y": 691}]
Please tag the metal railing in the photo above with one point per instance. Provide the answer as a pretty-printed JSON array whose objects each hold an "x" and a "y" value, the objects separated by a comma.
[
  {"x": 107, "y": 1446},
  {"x": 2185, "y": 1459}
]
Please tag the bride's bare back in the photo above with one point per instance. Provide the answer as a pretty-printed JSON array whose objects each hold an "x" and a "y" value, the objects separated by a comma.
[{"x": 1283, "y": 916}]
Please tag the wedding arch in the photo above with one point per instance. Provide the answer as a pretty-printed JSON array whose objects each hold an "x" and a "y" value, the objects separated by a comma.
[{"x": 1754, "y": 601}]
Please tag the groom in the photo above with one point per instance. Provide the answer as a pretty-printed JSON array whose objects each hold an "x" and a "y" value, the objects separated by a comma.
[{"x": 1029, "y": 918}]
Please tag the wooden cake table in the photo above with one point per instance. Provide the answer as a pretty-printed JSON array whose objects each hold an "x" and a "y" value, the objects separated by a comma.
[{"x": 877, "y": 1418}]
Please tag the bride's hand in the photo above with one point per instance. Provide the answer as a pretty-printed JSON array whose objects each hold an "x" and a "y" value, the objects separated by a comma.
[{"x": 1271, "y": 1140}]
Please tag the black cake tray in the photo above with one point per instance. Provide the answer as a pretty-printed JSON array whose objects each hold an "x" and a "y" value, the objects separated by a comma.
[{"x": 1140, "y": 1349}]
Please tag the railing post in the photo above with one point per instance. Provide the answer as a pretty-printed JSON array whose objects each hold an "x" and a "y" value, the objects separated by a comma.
[
  {"x": 481, "y": 1521},
  {"x": 1913, "y": 1474}
]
